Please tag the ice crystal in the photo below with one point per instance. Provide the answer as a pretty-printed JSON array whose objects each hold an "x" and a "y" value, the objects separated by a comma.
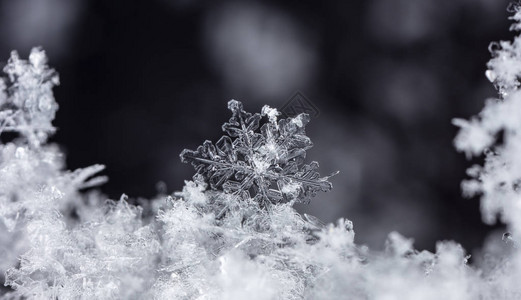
[
  {"x": 58, "y": 241},
  {"x": 496, "y": 132},
  {"x": 27, "y": 104},
  {"x": 266, "y": 163}
]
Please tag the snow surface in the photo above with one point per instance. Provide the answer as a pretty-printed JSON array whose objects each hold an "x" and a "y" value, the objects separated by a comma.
[{"x": 232, "y": 232}]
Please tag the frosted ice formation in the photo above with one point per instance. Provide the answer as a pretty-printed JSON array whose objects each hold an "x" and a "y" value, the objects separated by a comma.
[
  {"x": 265, "y": 164},
  {"x": 232, "y": 232},
  {"x": 27, "y": 104},
  {"x": 496, "y": 133}
]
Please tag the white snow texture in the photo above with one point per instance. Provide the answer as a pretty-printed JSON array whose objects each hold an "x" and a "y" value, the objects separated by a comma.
[{"x": 232, "y": 232}]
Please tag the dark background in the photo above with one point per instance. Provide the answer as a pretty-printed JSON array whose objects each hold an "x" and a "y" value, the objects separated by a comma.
[{"x": 140, "y": 81}]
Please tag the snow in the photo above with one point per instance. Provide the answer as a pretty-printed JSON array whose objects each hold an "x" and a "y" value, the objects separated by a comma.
[{"x": 232, "y": 232}]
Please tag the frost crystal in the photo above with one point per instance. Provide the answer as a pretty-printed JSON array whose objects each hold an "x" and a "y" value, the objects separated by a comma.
[
  {"x": 265, "y": 164},
  {"x": 27, "y": 104},
  {"x": 496, "y": 133},
  {"x": 59, "y": 243}
]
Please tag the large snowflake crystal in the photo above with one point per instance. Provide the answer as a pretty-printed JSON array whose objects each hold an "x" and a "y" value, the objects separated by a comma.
[{"x": 265, "y": 164}]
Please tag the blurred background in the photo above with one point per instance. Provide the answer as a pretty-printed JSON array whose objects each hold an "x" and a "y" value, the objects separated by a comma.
[{"x": 140, "y": 81}]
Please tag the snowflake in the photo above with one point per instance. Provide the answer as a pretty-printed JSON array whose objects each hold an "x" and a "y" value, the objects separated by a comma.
[
  {"x": 265, "y": 164},
  {"x": 27, "y": 104}
]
